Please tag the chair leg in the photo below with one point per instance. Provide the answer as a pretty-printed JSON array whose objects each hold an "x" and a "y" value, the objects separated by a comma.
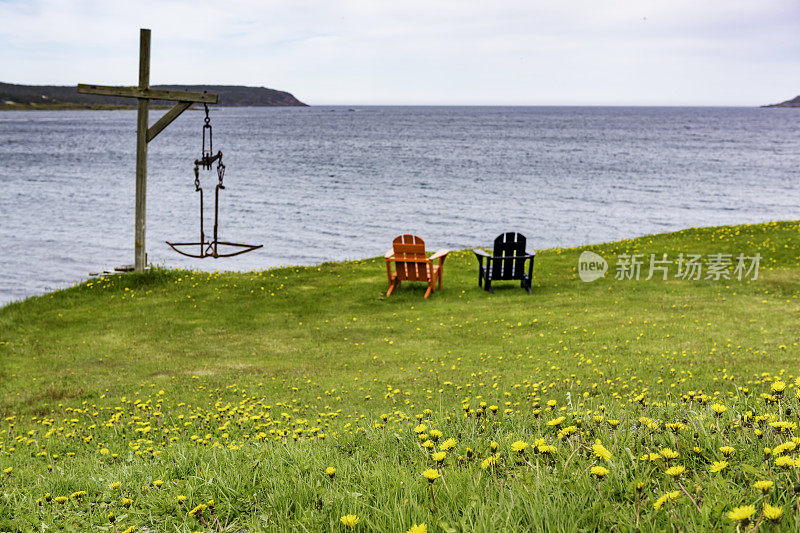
[
  {"x": 430, "y": 288},
  {"x": 488, "y": 286},
  {"x": 530, "y": 275},
  {"x": 439, "y": 275},
  {"x": 394, "y": 284},
  {"x": 526, "y": 284},
  {"x": 389, "y": 271}
]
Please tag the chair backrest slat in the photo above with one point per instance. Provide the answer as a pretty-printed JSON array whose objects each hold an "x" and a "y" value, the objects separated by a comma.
[
  {"x": 410, "y": 260},
  {"x": 508, "y": 245}
]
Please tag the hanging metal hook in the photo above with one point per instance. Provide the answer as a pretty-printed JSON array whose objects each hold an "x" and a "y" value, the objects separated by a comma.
[{"x": 205, "y": 157}]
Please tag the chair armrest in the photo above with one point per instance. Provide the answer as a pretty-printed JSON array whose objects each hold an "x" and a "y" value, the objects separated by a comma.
[
  {"x": 389, "y": 254},
  {"x": 440, "y": 254},
  {"x": 481, "y": 253}
]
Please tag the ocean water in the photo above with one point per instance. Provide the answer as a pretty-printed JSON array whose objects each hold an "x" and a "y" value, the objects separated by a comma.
[{"x": 331, "y": 183}]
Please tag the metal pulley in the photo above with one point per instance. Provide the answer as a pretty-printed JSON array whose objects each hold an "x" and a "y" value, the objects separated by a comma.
[{"x": 211, "y": 248}]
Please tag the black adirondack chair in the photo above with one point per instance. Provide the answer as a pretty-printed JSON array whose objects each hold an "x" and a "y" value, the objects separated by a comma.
[{"x": 507, "y": 262}]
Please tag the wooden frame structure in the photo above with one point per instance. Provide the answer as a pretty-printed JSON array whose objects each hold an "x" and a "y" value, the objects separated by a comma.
[{"x": 146, "y": 133}]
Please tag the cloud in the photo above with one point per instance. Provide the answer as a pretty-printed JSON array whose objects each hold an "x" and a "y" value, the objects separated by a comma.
[{"x": 357, "y": 51}]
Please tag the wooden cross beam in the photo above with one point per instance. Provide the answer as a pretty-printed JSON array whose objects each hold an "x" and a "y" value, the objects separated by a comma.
[{"x": 145, "y": 134}]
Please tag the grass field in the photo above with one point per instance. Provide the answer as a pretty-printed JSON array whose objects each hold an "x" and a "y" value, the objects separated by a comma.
[{"x": 180, "y": 400}]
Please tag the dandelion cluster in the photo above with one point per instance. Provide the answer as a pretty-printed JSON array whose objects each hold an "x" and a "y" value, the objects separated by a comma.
[{"x": 688, "y": 436}]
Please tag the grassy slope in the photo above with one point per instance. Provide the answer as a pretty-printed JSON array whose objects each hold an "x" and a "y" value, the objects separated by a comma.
[{"x": 320, "y": 340}]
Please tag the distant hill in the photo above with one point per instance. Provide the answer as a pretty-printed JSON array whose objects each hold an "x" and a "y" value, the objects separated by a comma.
[
  {"x": 794, "y": 102},
  {"x": 64, "y": 96}
]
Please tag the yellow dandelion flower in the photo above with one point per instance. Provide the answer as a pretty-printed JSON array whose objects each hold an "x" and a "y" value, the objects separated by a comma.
[
  {"x": 772, "y": 512},
  {"x": 448, "y": 444},
  {"x": 158, "y": 483},
  {"x": 350, "y": 520},
  {"x": 198, "y": 511},
  {"x": 601, "y": 451},
  {"x": 669, "y": 453},
  {"x": 668, "y": 497},
  {"x": 764, "y": 485},
  {"x": 78, "y": 495},
  {"x": 519, "y": 446},
  {"x": 115, "y": 485},
  {"x": 675, "y": 471},
  {"x": 489, "y": 461},
  {"x": 418, "y": 528},
  {"x": 718, "y": 408},
  {"x": 727, "y": 450},
  {"x": 719, "y": 466},
  {"x": 331, "y": 471},
  {"x": 742, "y": 513},
  {"x": 784, "y": 461},
  {"x": 439, "y": 456},
  {"x": 60, "y": 499},
  {"x": 599, "y": 471},
  {"x": 431, "y": 474},
  {"x": 785, "y": 447}
]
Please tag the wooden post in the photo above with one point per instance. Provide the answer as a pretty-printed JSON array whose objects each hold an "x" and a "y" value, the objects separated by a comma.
[
  {"x": 140, "y": 253},
  {"x": 145, "y": 134}
]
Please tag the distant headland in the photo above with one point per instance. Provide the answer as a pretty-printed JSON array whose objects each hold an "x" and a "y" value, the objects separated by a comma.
[
  {"x": 14, "y": 96},
  {"x": 794, "y": 102}
]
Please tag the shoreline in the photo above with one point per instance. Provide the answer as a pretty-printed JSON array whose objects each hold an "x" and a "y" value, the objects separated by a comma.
[{"x": 555, "y": 250}]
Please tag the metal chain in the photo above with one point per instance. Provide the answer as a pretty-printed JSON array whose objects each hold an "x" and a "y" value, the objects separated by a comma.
[
  {"x": 206, "y": 158},
  {"x": 207, "y": 152}
]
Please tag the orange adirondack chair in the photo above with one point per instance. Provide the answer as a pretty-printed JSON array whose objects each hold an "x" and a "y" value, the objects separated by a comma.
[{"x": 411, "y": 264}]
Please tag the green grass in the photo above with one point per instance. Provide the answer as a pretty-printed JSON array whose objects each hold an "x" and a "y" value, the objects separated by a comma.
[{"x": 244, "y": 387}]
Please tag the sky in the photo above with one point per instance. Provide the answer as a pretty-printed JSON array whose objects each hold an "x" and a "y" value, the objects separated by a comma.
[{"x": 421, "y": 52}]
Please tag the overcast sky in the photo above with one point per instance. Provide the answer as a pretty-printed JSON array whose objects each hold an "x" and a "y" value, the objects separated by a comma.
[{"x": 521, "y": 52}]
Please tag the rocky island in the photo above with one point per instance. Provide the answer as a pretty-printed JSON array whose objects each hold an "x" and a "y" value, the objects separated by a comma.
[
  {"x": 14, "y": 96},
  {"x": 794, "y": 102}
]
